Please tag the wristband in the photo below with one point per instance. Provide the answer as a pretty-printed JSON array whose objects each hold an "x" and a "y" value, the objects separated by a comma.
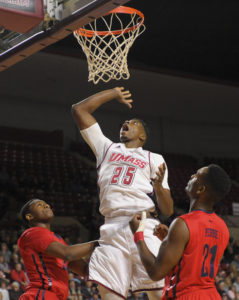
[{"x": 138, "y": 236}]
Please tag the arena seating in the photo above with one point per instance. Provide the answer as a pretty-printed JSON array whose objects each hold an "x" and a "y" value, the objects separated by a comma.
[
  {"x": 50, "y": 173},
  {"x": 68, "y": 183}
]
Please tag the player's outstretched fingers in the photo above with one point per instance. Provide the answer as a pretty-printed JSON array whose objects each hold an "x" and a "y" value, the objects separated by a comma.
[
  {"x": 161, "y": 171},
  {"x": 128, "y": 103},
  {"x": 162, "y": 168},
  {"x": 123, "y": 96},
  {"x": 159, "y": 174}
]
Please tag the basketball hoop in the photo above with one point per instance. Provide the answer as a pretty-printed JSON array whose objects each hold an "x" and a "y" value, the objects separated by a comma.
[{"x": 106, "y": 42}]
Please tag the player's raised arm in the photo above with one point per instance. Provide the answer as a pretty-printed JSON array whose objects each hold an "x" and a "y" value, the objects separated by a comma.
[{"x": 83, "y": 110}]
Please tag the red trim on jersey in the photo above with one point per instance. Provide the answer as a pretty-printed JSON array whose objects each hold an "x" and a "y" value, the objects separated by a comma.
[
  {"x": 178, "y": 278},
  {"x": 38, "y": 271},
  {"x": 45, "y": 271},
  {"x": 43, "y": 294},
  {"x": 104, "y": 156},
  {"x": 98, "y": 168},
  {"x": 147, "y": 290},
  {"x": 38, "y": 293}
]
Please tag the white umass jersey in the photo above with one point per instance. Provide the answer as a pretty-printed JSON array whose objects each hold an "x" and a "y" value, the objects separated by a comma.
[{"x": 124, "y": 174}]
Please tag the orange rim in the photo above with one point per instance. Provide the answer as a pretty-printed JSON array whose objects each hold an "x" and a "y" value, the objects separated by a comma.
[{"x": 120, "y": 10}]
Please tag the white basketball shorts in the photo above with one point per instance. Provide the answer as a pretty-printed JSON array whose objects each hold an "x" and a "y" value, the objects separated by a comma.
[{"x": 116, "y": 264}]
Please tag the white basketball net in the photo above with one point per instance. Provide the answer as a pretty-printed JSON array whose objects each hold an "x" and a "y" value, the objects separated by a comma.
[{"x": 107, "y": 54}]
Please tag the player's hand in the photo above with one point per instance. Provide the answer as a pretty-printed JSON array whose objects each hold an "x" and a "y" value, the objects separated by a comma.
[
  {"x": 158, "y": 180},
  {"x": 161, "y": 231},
  {"x": 138, "y": 222},
  {"x": 124, "y": 96}
]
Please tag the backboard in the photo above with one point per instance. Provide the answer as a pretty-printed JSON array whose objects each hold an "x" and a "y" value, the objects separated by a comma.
[{"x": 61, "y": 18}]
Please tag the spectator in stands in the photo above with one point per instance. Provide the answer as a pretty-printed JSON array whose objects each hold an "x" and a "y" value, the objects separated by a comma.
[
  {"x": 228, "y": 283},
  {"x": 17, "y": 274},
  {"x": 235, "y": 262},
  {"x": 5, "y": 252},
  {"x": 222, "y": 274},
  {"x": 224, "y": 296},
  {"x": 15, "y": 259},
  {"x": 95, "y": 296},
  {"x": 236, "y": 284},
  {"x": 72, "y": 277},
  {"x": 15, "y": 292},
  {"x": 90, "y": 286},
  {"x": 221, "y": 288},
  {"x": 15, "y": 249},
  {"x": 231, "y": 293},
  {"x": 94, "y": 290},
  {"x": 232, "y": 275},
  {"x": 4, "y": 266},
  {"x": 4, "y": 294},
  {"x": 2, "y": 275},
  {"x": 74, "y": 291},
  {"x": 86, "y": 290}
]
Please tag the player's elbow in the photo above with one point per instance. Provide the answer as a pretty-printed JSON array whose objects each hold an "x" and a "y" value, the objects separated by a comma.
[
  {"x": 78, "y": 114},
  {"x": 154, "y": 275},
  {"x": 68, "y": 256},
  {"x": 152, "y": 268},
  {"x": 76, "y": 109},
  {"x": 67, "y": 253},
  {"x": 169, "y": 212}
]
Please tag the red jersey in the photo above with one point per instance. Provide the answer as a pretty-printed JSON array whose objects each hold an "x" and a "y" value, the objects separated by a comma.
[
  {"x": 199, "y": 263},
  {"x": 19, "y": 276},
  {"x": 45, "y": 272}
]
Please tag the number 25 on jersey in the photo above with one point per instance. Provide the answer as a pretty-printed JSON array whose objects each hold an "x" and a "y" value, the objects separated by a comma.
[{"x": 123, "y": 175}]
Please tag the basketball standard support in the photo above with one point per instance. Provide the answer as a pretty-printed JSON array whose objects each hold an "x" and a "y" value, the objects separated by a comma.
[
  {"x": 35, "y": 41},
  {"x": 21, "y": 16}
]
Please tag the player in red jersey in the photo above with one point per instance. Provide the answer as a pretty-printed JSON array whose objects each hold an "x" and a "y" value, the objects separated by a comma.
[
  {"x": 190, "y": 254},
  {"x": 46, "y": 256}
]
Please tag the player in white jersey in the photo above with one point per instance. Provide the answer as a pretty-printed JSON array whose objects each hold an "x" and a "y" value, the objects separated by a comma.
[{"x": 126, "y": 175}]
